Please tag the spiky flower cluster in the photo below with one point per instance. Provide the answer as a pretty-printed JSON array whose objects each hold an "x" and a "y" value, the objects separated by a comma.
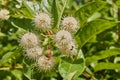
[
  {"x": 63, "y": 38},
  {"x": 42, "y": 21},
  {"x": 65, "y": 42},
  {"x": 30, "y": 42},
  {"x": 4, "y": 14}
]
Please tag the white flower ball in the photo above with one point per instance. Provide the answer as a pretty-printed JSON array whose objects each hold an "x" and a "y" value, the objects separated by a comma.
[
  {"x": 29, "y": 40},
  {"x": 69, "y": 24},
  {"x": 42, "y": 21},
  {"x": 4, "y": 14},
  {"x": 34, "y": 53},
  {"x": 67, "y": 49},
  {"x": 63, "y": 37},
  {"x": 45, "y": 63}
]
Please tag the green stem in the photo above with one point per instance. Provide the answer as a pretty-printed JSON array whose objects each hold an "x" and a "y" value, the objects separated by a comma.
[
  {"x": 18, "y": 27},
  {"x": 42, "y": 76}
]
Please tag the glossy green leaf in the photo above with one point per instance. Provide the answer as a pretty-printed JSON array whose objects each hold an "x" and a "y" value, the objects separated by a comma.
[
  {"x": 74, "y": 68},
  {"x": 102, "y": 55},
  {"x": 91, "y": 29},
  {"x": 88, "y": 10},
  {"x": 109, "y": 66}
]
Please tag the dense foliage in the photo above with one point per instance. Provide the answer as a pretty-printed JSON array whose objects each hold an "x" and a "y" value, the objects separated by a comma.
[{"x": 96, "y": 55}]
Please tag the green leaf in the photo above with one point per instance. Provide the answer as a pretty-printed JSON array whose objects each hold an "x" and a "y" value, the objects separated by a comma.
[
  {"x": 2, "y": 34},
  {"x": 74, "y": 69},
  {"x": 118, "y": 3},
  {"x": 59, "y": 6},
  {"x": 117, "y": 59},
  {"x": 103, "y": 65},
  {"x": 102, "y": 55},
  {"x": 70, "y": 76},
  {"x": 7, "y": 56},
  {"x": 91, "y": 29},
  {"x": 55, "y": 13},
  {"x": 27, "y": 70},
  {"x": 24, "y": 24},
  {"x": 17, "y": 74},
  {"x": 31, "y": 12},
  {"x": 88, "y": 10}
]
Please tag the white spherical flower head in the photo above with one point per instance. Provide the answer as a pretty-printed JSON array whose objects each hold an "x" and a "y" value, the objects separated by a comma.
[
  {"x": 4, "y": 14},
  {"x": 42, "y": 21},
  {"x": 63, "y": 37},
  {"x": 68, "y": 49},
  {"x": 29, "y": 40},
  {"x": 34, "y": 53},
  {"x": 69, "y": 23},
  {"x": 45, "y": 63}
]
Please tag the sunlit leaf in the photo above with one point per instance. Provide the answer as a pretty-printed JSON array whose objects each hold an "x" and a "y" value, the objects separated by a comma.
[
  {"x": 74, "y": 68},
  {"x": 109, "y": 66},
  {"x": 88, "y": 10},
  {"x": 17, "y": 74},
  {"x": 102, "y": 55},
  {"x": 91, "y": 29}
]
